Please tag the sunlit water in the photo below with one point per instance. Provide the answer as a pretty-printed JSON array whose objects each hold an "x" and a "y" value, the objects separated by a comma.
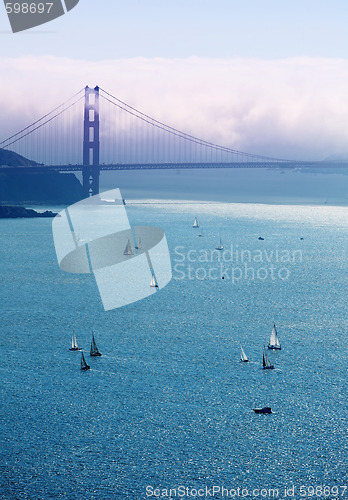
[{"x": 169, "y": 403}]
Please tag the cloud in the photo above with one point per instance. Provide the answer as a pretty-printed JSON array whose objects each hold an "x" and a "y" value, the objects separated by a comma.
[{"x": 289, "y": 108}]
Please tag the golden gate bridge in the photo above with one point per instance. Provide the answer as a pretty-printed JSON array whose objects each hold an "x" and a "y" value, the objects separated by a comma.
[{"x": 117, "y": 136}]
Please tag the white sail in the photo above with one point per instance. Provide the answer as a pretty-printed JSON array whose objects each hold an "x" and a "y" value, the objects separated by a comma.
[
  {"x": 274, "y": 340},
  {"x": 243, "y": 356},
  {"x": 74, "y": 341},
  {"x": 74, "y": 344},
  {"x": 195, "y": 223},
  {"x": 138, "y": 246},
  {"x": 220, "y": 247},
  {"x": 153, "y": 282},
  {"x": 128, "y": 249}
]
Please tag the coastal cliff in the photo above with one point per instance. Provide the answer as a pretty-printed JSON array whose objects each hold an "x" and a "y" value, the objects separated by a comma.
[
  {"x": 39, "y": 188},
  {"x": 21, "y": 187}
]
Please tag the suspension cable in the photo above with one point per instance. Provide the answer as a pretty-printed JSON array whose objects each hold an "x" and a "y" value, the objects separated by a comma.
[
  {"x": 158, "y": 125},
  {"x": 40, "y": 119},
  {"x": 184, "y": 135},
  {"x": 41, "y": 124}
]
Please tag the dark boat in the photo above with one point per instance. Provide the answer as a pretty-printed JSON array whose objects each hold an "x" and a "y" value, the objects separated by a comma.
[
  {"x": 84, "y": 365},
  {"x": 260, "y": 238},
  {"x": 266, "y": 409},
  {"x": 266, "y": 362},
  {"x": 94, "y": 349}
]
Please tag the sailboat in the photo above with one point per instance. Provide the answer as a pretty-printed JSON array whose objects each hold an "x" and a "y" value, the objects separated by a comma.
[
  {"x": 153, "y": 282},
  {"x": 94, "y": 349},
  {"x": 243, "y": 356},
  {"x": 220, "y": 247},
  {"x": 274, "y": 340},
  {"x": 128, "y": 249},
  {"x": 74, "y": 345},
  {"x": 84, "y": 365},
  {"x": 266, "y": 362},
  {"x": 138, "y": 245},
  {"x": 195, "y": 223},
  {"x": 201, "y": 234}
]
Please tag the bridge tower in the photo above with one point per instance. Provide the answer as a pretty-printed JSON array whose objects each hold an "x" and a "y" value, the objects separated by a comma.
[{"x": 91, "y": 145}]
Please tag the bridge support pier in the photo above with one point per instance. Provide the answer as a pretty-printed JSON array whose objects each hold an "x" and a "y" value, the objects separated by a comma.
[{"x": 91, "y": 144}]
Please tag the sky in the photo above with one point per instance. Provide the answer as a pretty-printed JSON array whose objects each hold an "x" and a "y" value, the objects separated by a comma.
[{"x": 264, "y": 77}]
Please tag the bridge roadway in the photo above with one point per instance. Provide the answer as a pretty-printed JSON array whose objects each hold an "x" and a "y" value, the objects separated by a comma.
[{"x": 183, "y": 166}]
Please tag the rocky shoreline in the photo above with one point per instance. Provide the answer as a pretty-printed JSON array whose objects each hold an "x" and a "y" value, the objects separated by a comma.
[{"x": 15, "y": 212}]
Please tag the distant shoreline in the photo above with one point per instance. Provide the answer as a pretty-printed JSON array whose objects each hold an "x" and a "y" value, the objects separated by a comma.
[
  {"x": 257, "y": 186},
  {"x": 165, "y": 201}
]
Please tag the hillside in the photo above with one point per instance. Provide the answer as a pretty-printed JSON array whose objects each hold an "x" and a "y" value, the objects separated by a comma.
[
  {"x": 12, "y": 159},
  {"x": 21, "y": 187}
]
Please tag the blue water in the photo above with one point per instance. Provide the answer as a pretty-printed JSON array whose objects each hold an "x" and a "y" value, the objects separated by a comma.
[{"x": 169, "y": 403}]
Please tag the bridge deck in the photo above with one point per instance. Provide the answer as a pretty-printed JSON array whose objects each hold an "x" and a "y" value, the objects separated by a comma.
[{"x": 170, "y": 166}]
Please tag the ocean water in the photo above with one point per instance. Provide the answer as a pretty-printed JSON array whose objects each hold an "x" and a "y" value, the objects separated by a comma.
[{"x": 169, "y": 405}]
